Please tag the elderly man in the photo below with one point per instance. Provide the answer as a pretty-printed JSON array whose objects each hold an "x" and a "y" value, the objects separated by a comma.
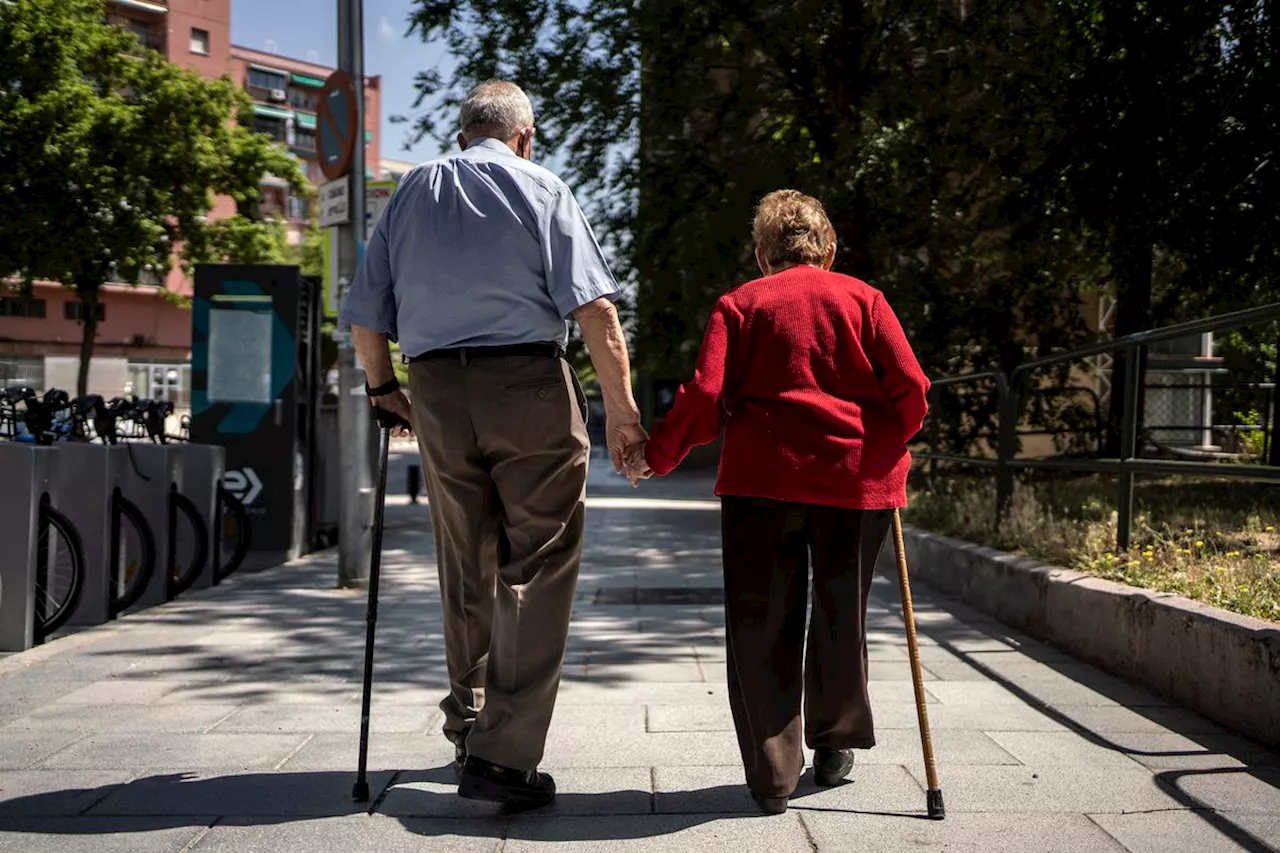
[{"x": 474, "y": 268}]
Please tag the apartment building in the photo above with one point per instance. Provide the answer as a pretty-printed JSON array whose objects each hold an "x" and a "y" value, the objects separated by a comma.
[{"x": 144, "y": 336}]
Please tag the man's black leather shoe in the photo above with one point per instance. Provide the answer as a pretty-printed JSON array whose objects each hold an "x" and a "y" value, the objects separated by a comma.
[
  {"x": 771, "y": 805},
  {"x": 831, "y": 766},
  {"x": 482, "y": 780}
]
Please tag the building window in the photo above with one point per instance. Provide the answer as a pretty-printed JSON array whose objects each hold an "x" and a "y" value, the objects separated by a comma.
[
  {"x": 200, "y": 41},
  {"x": 303, "y": 99},
  {"x": 25, "y": 370},
  {"x": 147, "y": 32},
  {"x": 170, "y": 382},
  {"x": 17, "y": 306},
  {"x": 299, "y": 210},
  {"x": 272, "y": 127},
  {"x": 268, "y": 80},
  {"x": 304, "y": 139},
  {"x": 75, "y": 311}
]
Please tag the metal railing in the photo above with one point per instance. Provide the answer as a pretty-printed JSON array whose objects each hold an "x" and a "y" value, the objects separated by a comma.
[{"x": 1009, "y": 395}]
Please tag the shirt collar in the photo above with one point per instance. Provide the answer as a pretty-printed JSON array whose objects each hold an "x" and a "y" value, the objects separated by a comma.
[{"x": 488, "y": 143}]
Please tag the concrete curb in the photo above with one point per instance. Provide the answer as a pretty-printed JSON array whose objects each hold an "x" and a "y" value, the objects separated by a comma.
[{"x": 1225, "y": 666}]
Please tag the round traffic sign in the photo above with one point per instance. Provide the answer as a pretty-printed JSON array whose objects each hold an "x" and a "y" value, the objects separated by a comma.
[{"x": 336, "y": 125}]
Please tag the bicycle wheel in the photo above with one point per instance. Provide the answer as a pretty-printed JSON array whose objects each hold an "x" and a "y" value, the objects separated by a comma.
[
  {"x": 59, "y": 570},
  {"x": 133, "y": 554},
  {"x": 187, "y": 553},
  {"x": 231, "y": 540}
]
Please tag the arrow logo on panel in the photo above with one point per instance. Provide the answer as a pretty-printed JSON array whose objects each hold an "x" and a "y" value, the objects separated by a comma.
[{"x": 244, "y": 484}]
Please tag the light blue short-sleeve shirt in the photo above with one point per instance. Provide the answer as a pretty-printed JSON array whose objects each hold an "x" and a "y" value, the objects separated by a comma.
[{"x": 481, "y": 248}]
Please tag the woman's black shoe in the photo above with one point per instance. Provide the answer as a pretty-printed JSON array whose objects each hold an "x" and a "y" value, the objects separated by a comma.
[
  {"x": 831, "y": 766},
  {"x": 770, "y": 805},
  {"x": 482, "y": 780}
]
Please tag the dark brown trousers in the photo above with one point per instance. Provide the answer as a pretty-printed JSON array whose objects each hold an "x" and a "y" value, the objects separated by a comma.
[
  {"x": 504, "y": 454},
  {"x": 768, "y": 549}
]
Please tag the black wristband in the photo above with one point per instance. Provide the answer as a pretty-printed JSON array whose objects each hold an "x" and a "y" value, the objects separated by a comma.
[{"x": 384, "y": 389}]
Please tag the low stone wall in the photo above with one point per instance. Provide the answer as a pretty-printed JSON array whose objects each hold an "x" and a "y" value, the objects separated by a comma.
[{"x": 1225, "y": 666}]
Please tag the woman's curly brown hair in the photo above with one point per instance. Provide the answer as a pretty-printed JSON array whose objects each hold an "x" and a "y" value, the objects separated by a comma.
[{"x": 792, "y": 228}]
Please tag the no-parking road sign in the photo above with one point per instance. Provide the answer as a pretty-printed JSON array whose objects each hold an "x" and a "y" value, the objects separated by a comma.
[{"x": 336, "y": 121}]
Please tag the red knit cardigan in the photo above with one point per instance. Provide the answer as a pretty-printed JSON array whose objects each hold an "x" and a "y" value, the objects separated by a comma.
[{"x": 817, "y": 390}]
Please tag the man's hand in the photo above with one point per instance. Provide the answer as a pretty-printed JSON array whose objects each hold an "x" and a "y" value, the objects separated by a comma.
[
  {"x": 637, "y": 466},
  {"x": 621, "y": 433},
  {"x": 398, "y": 404}
]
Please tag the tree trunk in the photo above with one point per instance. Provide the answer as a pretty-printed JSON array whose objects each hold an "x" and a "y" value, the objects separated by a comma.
[
  {"x": 1133, "y": 266},
  {"x": 89, "y": 331}
]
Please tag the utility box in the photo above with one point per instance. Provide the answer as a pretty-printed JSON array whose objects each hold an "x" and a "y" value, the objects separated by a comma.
[
  {"x": 203, "y": 467},
  {"x": 85, "y": 481},
  {"x": 254, "y": 380},
  {"x": 151, "y": 472}
]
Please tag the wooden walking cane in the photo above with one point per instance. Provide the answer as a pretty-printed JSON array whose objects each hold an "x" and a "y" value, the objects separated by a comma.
[{"x": 934, "y": 796}]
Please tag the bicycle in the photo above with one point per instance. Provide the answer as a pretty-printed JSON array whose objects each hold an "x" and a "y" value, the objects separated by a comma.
[
  {"x": 233, "y": 534},
  {"x": 133, "y": 554},
  {"x": 59, "y": 570}
]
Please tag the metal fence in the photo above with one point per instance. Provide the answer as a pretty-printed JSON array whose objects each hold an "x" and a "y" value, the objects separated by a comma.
[{"x": 1012, "y": 391}]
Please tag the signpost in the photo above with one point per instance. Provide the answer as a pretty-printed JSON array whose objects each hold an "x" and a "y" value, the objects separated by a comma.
[
  {"x": 337, "y": 118},
  {"x": 376, "y": 198},
  {"x": 334, "y": 207}
]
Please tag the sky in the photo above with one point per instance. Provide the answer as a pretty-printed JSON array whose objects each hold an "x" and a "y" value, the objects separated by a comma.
[{"x": 299, "y": 29}]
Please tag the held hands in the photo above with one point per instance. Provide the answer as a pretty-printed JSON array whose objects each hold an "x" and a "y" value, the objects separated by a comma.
[{"x": 624, "y": 436}]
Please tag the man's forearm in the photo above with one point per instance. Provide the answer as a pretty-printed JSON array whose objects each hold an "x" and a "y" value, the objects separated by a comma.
[
  {"x": 375, "y": 356},
  {"x": 608, "y": 348}
]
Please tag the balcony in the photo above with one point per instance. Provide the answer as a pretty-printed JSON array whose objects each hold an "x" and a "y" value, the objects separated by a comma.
[{"x": 154, "y": 7}]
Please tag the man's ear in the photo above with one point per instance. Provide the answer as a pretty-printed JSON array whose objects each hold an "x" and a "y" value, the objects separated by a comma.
[
  {"x": 762, "y": 262},
  {"x": 462, "y": 142},
  {"x": 526, "y": 142}
]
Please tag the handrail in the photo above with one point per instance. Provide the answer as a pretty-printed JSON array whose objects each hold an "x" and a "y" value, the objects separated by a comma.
[{"x": 1127, "y": 463}]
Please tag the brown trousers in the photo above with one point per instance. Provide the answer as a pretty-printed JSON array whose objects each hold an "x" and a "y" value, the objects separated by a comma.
[
  {"x": 768, "y": 546},
  {"x": 504, "y": 456}
]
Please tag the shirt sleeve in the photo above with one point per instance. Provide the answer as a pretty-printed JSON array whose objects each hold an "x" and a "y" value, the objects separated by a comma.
[
  {"x": 370, "y": 301},
  {"x": 903, "y": 381},
  {"x": 577, "y": 272},
  {"x": 697, "y": 415}
]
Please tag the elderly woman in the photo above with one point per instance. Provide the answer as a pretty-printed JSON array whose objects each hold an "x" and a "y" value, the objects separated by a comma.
[{"x": 810, "y": 376}]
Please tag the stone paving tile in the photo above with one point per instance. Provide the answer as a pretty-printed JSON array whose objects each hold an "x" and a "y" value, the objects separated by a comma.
[
  {"x": 686, "y": 693},
  {"x": 1005, "y": 718},
  {"x": 19, "y": 750},
  {"x": 1114, "y": 720},
  {"x": 1060, "y": 749},
  {"x": 663, "y": 672},
  {"x": 1170, "y": 751},
  {"x": 33, "y": 793},
  {"x": 178, "y": 752},
  {"x": 961, "y": 833},
  {"x": 356, "y": 834},
  {"x": 1228, "y": 789},
  {"x": 262, "y": 693},
  {"x": 1040, "y": 790},
  {"x": 616, "y": 791},
  {"x": 116, "y": 718},
  {"x": 951, "y": 746},
  {"x": 723, "y": 790},
  {"x": 123, "y": 692},
  {"x": 1201, "y": 832},
  {"x": 391, "y": 719},
  {"x": 633, "y": 833},
  {"x": 386, "y": 752},
  {"x": 100, "y": 835},
  {"x": 584, "y": 748},
  {"x": 270, "y": 794}
]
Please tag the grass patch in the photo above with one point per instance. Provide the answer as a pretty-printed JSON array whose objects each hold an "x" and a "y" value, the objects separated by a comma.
[{"x": 1214, "y": 541}]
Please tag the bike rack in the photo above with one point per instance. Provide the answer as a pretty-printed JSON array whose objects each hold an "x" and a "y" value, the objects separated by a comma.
[
  {"x": 29, "y": 470},
  {"x": 150, "y": 471},
  {"x": 86, "y": 478},
  {"x": 202, "y": 468}
]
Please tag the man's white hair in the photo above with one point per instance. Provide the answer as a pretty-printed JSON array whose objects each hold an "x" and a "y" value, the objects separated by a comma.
[{"x": 496, "y": 108}]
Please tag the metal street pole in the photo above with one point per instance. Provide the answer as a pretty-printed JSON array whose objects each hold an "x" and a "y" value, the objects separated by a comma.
[{"x": 355, "y": 503}]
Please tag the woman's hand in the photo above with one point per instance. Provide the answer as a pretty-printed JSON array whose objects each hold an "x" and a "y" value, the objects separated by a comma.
[{"x": 637, "y": 466}]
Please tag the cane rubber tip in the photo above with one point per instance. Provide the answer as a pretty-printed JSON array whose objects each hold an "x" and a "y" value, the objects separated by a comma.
[
  {"x": 360, "y": 793},
  {"x": 937, "y": 811}
]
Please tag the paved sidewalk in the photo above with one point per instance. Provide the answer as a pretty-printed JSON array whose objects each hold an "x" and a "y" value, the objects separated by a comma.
[{"x": 228, "y": 721}]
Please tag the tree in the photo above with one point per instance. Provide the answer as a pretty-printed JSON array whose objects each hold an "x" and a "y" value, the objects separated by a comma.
[{"x": 113, "y": 157}]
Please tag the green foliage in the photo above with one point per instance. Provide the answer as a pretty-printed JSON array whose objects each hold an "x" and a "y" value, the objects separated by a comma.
[
  {"x": 985, "y": 164},
  {"x": 1213, "y": 541},
  {"x": 113, "y": 156}
]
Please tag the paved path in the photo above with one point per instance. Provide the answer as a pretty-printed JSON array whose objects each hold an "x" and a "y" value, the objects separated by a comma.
[{"x": 228, "y": 721}]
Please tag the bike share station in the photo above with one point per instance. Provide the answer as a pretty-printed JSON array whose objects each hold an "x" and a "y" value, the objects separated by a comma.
[
  {"x": 104, "y": 525},
  {"x": 255, "y": 376}
]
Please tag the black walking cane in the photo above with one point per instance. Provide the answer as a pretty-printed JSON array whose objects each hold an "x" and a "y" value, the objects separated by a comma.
[
  {"x": 387, "y": 421},
  {"x": 933, "y": 799}
]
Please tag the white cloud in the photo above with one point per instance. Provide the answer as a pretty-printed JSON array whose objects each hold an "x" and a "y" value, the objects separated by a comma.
[{"x": 386, "y": 32}]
